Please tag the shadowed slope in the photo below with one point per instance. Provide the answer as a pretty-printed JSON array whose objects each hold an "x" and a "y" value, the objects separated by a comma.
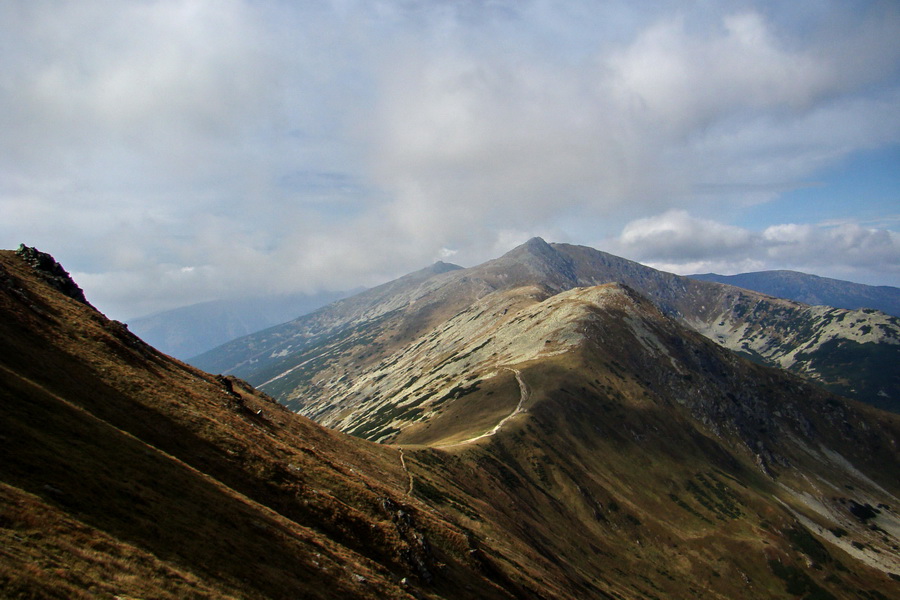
[{"x": 130, "y": 473}]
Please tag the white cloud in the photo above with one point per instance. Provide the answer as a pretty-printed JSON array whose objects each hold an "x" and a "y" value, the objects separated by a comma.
[
  {"x": 675, "y": 234},
  {"x": 677, "y": 242},
  {"x": 846, "y": 245},
  {"x": 470, "y": 131},
  {"x": 281, "y": 146}
]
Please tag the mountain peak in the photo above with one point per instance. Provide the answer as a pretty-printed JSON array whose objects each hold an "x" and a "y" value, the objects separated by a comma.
[
  {"x": 441, "y": 267},
  {"x": 51, "y": 272},
  {"x": 537, "y": 242},
  {"x": 536, "y": 246},
  {"x": 543, "y": 259}
]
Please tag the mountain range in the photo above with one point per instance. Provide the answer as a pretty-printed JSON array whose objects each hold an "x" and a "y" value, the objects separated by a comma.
[
  {"x": 552, "y": 436},
  {"x": 814, "y": 290},
  {"x": 853, "y": 353}
]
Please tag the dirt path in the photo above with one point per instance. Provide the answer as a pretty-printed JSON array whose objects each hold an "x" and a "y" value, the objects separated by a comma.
[
  {"x": 524, "y": 394},
  {"x": 406, "y": 469}
]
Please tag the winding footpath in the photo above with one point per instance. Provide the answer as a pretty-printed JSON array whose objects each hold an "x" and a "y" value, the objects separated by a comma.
[{"x": 523, "y": 397}]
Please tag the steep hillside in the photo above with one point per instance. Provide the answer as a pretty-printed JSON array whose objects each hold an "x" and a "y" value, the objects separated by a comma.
[
  {"x": 814, "y": 290},
  {"x": 596, "y": 448},
  {"x": 850, "y": 352},
  {"x": 128, "y": 474}
]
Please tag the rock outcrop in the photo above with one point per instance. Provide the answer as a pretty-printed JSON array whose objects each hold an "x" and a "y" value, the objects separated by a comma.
[{"x": 51, "y": 272}]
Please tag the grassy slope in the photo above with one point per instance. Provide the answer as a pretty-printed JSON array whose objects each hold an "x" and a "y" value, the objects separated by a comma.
[
  {"x": 612, "y": 481},
  {"x": 138, "y": 476},
  {"x": 122, "y": 459},
  {"x": 616, "y": 499}
]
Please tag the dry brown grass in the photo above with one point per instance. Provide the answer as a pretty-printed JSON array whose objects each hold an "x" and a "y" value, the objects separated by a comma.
[
  {"x": 148, "y": 453},
  {"x": 134, "y": 475}
]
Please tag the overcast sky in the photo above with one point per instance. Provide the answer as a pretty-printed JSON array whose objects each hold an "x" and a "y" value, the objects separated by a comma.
[{"x": 175, "y": 151}]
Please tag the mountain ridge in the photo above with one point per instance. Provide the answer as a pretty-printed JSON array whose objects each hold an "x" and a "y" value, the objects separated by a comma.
[
  {"x": 629, "y": 457},
  {"x": 123, "y": 452},
  {"x": 814, "y": 289},
  {"x": 816, "y": 342}
]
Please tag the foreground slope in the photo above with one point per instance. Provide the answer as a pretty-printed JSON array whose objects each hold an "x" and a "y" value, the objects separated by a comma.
[
  {"x": 814, "y": 290},
  {"x": 128, "y": 474},
  {"x": 602, "y": 451}
]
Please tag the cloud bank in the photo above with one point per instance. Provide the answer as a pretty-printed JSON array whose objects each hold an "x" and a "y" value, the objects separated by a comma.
[
  {"x": 174, "y": 151},
  {"x": 678, "y": 242}
]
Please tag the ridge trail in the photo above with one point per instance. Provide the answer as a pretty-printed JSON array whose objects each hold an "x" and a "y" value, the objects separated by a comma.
[{"x": 524, "y": 394}]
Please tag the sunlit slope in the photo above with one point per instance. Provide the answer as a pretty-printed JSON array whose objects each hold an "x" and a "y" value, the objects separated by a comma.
[
  {"x": 850, "y": 352},
  {"x": 647, "y": 461}
]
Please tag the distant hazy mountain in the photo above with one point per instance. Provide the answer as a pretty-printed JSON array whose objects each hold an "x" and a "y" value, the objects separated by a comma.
[
  {"x": 815, "y": 290},
  {"x": 191, "y": 330}
]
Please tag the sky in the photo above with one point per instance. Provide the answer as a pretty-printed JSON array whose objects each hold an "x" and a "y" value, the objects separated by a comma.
[{"x": 169, "y": 152}]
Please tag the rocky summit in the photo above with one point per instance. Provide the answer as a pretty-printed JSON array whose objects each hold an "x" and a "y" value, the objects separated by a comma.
[
  {"x": 554, "y": 424},
  {"x": 46, "y": 267}
]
